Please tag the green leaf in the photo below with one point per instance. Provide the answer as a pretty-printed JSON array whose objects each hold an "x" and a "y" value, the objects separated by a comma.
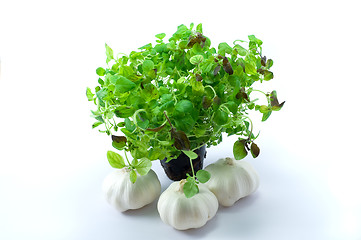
[
  {"x": 269, "y": 63},
  {"x": 184, "y": 123},
  {"x": 266, "y": 115},
  {"x": 100, "y": 95},
  {"x": 171, "y": 45},
  {"x": 134, "y": 162},
  {"x": 250, "y": 68},
  {"x": 240, "y": 50},
  {"x": 184, "y": 106},
  {"x": 207, "y": 66},
  {"x": 239, "y": 149},
  {"x": 150, "y": 92},
  {"x": 133, "y": 176},
  {"x": 100, "y": 81},
  {"x": 268, "y": 75},
  {"x": 232, "y": 106},
  {"x": 122, "y": 84},
  {"x": 129, "y": 125},
  {"x": 115, "y": 160},
  {"x": 264, "y": 109},
  {"x": 124, "y": 111},
  {"x": 203, "y": 176},
  {"x": 159, "y": 48},
  {"x": 89, "y": 94},
  {"x": 220, "y": 117},
  {"x": 147, "y": 65},
  {"x": 166, "y": 98},
  {"x": 197, "y": 59},
  {"x": 199, "y": 28},
  {"x": 182, "y": 29},
  {"x": 252, "y": 38},
  {"x": 143, "y": 124},
  {"x": 143, "y": 166},
  {"x": 190, "y": 179},
  {"x": 160, "y": 36},
  {"x": 100, "y": 71},
  {"x": 142, "y": 121},
  {"x": 109, "y": 53},
  {"x": 279, "y": 107},
  {"x": 200, "y": 132},
  {"x": 191, "y": 26},
  {"x": 192, "y": 155},
  {"x": 96, "y": 124},
  {"x": 224, "y": 48},
  {"x": 128, "y": 133},
  {"x": 146, "y": 47},
  {"x": 197, "y": 86},
  {"x": 100, "y": 119},
  {"x": 119, "y": 142},
  {"x": 190, "y": 189}
]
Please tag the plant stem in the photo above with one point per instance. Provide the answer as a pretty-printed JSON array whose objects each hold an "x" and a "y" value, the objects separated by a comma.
[
  {"x": 242, "y": 41},
  {"x": 107, "y": 128},
  {"x": 191, "y": 162},
  {"x": 214, "y": 92},
  {"x": 168, "y": 119},
  {"x": 135, "y": 116},
  {"x": 245, "y": 116},
  {"x": 255, "y": 90},
  {"x": 265, "y": 94},
  {"x": 126, "y": 157},
  {"x": 226, "y": 108}
]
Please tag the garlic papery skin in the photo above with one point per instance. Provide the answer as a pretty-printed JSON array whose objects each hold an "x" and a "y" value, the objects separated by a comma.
[
  {"x": 231, "y": 180},
  {"x": 184, "y": 213},
  {"x": 122, "y": 194}
]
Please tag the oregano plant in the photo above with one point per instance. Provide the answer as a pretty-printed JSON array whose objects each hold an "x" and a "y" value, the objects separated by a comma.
[{"x": 177, "y": 95}]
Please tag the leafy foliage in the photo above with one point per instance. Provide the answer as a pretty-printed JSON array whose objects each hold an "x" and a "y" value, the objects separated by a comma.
[
  {"x": 115, "y": 160},
  {"x": 191, "y": 186},
  {"x": 141, "y": 166},
  {"x": 181, "y": 94}
]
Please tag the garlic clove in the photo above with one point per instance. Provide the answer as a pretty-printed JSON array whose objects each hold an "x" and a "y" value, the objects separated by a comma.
[
  {"x": 232, "y": 180},
  {"x": 122, "y": 194},
  {"x": 184, "y": 213}
]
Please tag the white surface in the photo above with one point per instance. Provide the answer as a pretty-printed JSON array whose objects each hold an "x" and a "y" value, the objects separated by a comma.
[{"x": 52, "y": 163}]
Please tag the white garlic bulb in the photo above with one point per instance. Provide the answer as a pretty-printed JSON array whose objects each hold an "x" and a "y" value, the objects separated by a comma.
[
  {"x": 183, "y": 213},
  {"x": 121, "y": 193},
  {"x": 231, "y": 180}
]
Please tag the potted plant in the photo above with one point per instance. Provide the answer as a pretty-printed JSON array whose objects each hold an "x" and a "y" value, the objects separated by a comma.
[{"x": 170, "y": 100}]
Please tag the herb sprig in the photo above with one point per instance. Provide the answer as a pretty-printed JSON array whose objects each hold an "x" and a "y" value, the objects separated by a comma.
[
  {"x": 137, "y": 166},
  {"x": 181, "y": 94}
]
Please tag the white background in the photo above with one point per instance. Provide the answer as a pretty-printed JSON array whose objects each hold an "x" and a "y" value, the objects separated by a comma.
[{"x": 52, "y": 163}]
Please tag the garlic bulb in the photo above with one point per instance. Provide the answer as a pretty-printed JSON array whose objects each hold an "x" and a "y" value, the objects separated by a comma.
[
  {"x": 231, "y": 180},
  {"x": 122, "y": 194},
  {"x": 183, "y": 213}
]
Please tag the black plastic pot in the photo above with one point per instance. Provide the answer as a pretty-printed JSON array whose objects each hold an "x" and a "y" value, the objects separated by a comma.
[{"x": 178, "y": 168}]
